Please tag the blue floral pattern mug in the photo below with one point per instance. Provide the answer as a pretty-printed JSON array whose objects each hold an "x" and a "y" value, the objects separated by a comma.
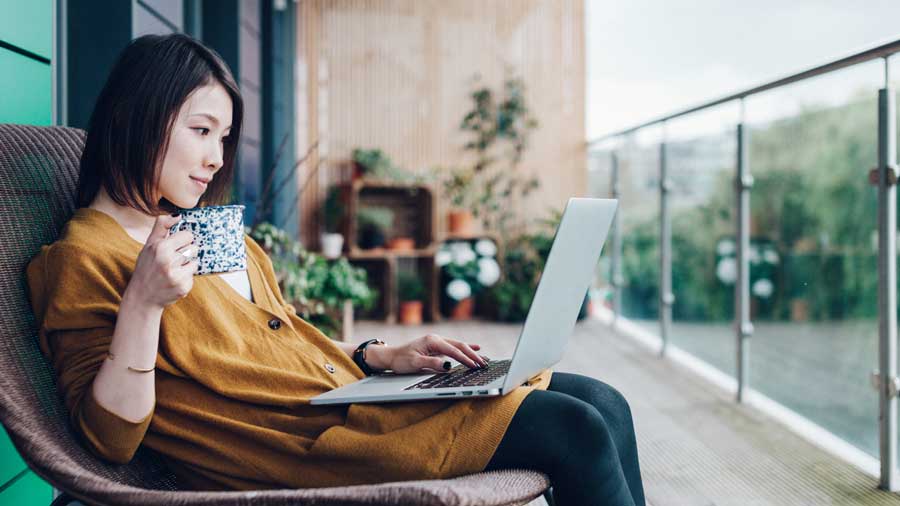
[{"x": 218, "y": 235}]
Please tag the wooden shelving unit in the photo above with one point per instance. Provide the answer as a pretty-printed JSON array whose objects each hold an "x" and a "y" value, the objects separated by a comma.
[
  {"x": 385, "y": 270},
  {"x": 413, "y": 207},
  {"x": 362, "y": 254}
]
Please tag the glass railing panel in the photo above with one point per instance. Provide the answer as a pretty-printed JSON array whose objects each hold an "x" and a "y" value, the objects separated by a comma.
[
  {"x": 894, "y": 70},
  {"x": 639, "y": 218},
  {"x": 600, "y": 174},
  {"x": 701, "y": 154},
  {"x": 814, "y": 249},
  {"x": 894, "y": 82}
]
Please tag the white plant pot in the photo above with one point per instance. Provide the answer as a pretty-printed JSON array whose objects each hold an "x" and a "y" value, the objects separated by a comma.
[{"x": 332, "y": 245}]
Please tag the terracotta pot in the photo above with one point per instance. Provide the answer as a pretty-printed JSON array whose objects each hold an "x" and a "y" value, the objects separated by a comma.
[
  {"x": 401, "y": 244},
  {"x": 358, "y": 171},
  {"x": 799, "y": 310},
  {"x": 411, "y": 312},
  {"x": 461, "y": 222},
  {"x": 463, "y": 309}
]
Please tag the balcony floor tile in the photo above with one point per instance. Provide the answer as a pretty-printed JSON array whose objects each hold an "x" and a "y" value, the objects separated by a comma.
[{"x": 697, "y": 446}]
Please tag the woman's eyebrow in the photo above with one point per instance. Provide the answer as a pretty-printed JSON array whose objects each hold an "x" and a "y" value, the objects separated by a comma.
[{"x": 210, "y": 117}]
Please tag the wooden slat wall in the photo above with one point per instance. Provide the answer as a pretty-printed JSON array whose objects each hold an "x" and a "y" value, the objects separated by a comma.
[{"x": 396, "y": 75}]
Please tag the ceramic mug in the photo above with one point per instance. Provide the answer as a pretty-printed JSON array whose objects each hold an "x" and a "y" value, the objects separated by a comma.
[{"x": 218, "y": 236}]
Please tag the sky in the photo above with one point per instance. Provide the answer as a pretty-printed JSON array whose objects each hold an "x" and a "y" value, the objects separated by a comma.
[{"x": 646, "y": 58}]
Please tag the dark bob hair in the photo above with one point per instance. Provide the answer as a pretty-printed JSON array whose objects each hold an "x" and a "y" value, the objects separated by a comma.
[{"x": 128, "y": 134}]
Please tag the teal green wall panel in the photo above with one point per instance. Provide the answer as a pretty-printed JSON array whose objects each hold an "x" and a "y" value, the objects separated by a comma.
[
  {"x": 27, "y": 24},
  {"x": 26, "y": 89},
  {"x": 10, "y": 462},
  {"x": 27, "y": 491}
]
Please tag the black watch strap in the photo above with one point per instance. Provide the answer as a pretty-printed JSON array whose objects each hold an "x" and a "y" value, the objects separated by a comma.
[{"x": 359, "y": 356}]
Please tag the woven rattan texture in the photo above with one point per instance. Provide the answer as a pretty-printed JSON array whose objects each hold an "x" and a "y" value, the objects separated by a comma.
[{"x": 38, "y": 175}]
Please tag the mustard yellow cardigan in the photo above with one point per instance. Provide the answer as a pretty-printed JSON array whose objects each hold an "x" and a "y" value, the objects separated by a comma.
[{"x": 232, "y": 392}]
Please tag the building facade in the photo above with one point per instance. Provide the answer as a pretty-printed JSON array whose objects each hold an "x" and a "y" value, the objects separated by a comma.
[{"x": 54, "y": 59}]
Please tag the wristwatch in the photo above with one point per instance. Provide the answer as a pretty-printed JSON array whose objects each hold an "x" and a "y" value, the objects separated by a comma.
[{"x": 359, "y": 356}]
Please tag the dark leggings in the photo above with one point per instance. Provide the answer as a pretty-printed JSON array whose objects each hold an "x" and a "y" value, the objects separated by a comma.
[{"x": 579, "y": 432}]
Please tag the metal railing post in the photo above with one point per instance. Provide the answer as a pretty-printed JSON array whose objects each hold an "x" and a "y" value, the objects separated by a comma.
[
  {"x": 616, "y": 257},
  {"x": 742, "y": 324},
  {"x": 666, "y": 298},
  {"x": 886, "y": 173}
]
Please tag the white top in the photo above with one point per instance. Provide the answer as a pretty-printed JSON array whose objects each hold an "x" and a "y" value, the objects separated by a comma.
[{"x": 240, "y": 281}]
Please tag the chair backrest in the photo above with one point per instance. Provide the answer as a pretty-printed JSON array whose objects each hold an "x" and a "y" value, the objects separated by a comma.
[{"x": 38, "y": 176}]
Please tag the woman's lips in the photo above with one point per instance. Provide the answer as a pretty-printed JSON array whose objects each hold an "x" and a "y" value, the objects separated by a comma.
[{"x": 202, "y": 185}]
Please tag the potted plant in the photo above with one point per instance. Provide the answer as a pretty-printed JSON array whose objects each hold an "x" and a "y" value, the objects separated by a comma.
[
  {"x": 801, "y": 270},
  {"x": 338, "y": 286},
  {"x": 332, "y": 214},
  {"x": 510, "y": 299},
  {"x": 498, "y": 126},
  {"x": 524, "y": 260},
  {"x": 457, "y": 187},
  {"x": 373, "y": 226},
  {"x": 411, "y": 292},
  {"x": 465, "y": 273},
  {"x": 322, "y": 292},
  {"x": 369, "y": 163},
  {"x": 375, "y": 164},
  {"x": 460, "y": 288},
  {"x": 402, "y": 243}
]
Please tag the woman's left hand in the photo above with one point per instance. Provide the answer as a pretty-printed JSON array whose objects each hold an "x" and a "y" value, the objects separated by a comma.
[{"x": 425, "y": 354}]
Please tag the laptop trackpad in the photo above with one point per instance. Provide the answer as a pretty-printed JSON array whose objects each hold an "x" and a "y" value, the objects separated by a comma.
[{"x": 390, "y": 381}]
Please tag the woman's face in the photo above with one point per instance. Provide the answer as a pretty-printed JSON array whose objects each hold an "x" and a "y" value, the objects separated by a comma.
[{"x": 196, "y": 145}]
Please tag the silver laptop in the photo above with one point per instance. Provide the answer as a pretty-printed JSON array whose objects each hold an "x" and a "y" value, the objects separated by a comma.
[{"x": 566, "y": 277}]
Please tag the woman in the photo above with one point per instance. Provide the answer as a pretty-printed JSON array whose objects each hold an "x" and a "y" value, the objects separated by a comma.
[{"x": 214, "y": 373}]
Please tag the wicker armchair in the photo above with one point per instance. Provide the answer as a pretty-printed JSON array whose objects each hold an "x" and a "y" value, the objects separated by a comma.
[{"x": 38, "y": 174}]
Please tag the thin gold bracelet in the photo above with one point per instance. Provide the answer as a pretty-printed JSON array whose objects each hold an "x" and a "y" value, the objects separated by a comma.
[{"x": 110, "y": 356}]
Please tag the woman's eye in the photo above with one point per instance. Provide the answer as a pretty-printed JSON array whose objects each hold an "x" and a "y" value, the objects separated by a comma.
[{"x": 202, "y": 130}]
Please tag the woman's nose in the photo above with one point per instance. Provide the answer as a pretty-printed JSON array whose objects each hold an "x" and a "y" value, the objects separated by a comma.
[{"x": 214, "y": 157}]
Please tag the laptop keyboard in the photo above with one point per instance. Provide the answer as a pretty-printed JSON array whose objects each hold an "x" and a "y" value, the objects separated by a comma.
[{"x": 462, "y": 376}]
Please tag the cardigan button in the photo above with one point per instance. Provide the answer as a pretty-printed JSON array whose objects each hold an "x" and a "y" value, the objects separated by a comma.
[
  {"x": 329, "y": 368},
  {"x": 274, "y": 324}
]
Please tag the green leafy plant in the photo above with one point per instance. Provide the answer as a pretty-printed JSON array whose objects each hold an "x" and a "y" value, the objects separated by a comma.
[
  {"x": 374, "y": 224},
  {"x": 372, "y": 162},
  {"x": 333, "y": 210},
  {"x": 525, "y": 258},
  {"x": 467, "y": 268},
  {"x": 510, "y": 299},
  {"x": 381, "y": 217},
  {"x": 277, "y": 243},
  {"x": 333, "y": 282},
  {"x": 457, "y": 186},
  {"x": 315, "y": 286},
  {"x": 812, "y": 210},
  {"x": 410, "y": 287},
  {"x": 499, "y": 129},
  {"x": 375, "y": 164},
  {"x": 467, "y": 272}
]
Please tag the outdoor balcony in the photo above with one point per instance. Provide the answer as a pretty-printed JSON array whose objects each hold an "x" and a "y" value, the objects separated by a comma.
[
  {"x": 745, "y": 294},
  {"x": 697, "y": 446}
]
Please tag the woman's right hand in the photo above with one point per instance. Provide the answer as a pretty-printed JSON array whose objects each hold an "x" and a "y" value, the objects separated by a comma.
[{"x": 162, "y": 274}]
